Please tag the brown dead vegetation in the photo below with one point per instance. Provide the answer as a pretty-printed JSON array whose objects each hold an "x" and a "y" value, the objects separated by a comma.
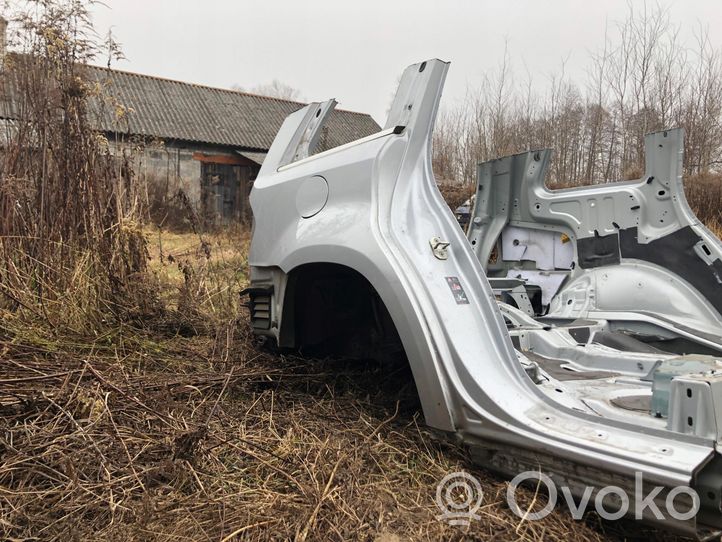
[
  {"x": 455, "y": 194},
  {"x": 140, "y": 436},
  {"x": 642, "y": 79},
  {"x": 134, "y": 403}
]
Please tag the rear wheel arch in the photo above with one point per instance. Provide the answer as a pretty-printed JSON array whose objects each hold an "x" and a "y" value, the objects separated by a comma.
[
  {"x": 305, "y": 283},
  {"x": 323, "y": 299}
]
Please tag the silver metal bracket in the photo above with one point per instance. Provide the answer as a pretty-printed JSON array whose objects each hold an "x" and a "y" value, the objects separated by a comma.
[{"x": 439, "y": 247}]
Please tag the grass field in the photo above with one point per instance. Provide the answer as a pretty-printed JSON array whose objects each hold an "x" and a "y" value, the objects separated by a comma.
[
  {"x": 135, "y": 403},
  {"x": 188, "y": 431}
]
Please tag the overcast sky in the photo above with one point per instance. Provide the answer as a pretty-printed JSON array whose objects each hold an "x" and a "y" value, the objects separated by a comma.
[{"x": 354, "y": 50}]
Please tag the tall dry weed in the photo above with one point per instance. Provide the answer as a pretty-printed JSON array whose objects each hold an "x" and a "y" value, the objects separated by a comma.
[{"x": 71, "y": 244}]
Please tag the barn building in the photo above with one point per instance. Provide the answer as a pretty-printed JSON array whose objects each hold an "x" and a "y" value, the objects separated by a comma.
[{"x": 208, "y": 141}]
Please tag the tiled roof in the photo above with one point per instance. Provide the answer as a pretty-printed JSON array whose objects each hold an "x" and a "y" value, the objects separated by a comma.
[{"x": 169, "y": 109}]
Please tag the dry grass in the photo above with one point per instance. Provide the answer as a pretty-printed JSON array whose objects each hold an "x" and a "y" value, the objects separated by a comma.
[
  {"x": 704, "y": 193},
  {"x": 159, "y": 436},
  {"x": 208, "y": 270},
  {"x": 455, "y": 194},
  {"x": 134, "y": 403}
]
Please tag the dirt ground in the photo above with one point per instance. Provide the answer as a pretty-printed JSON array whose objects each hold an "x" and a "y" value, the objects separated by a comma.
[{"x": 189, "y": 431}]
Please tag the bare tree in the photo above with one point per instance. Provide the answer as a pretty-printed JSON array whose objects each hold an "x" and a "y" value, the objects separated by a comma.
[
  {"x": 274, "y": 89},
  {"x": 643, "y": 79}
]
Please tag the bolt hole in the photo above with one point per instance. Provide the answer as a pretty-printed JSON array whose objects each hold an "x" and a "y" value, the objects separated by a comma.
[
  {"x": 558, "y": 390},
  {"x": 661, "y": 192},
  {"x": 537, "y": 206},
  {"x": 690, "y": 421},
  {"x": 711, "y": 495},
  {"x": 689, "y": 392},
  {"x": 473, "y": 242},
  {"x": 422, "y": 67},
  {"x": 569, "y": 302},
  {"x": 318, "y": 113}
]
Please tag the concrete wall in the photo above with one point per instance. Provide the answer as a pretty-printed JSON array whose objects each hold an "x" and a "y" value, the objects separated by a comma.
[
  {"x": 170, "y": 163},
  {"x": 175, "y": 166},
  {"x": 170, "y": 166}
]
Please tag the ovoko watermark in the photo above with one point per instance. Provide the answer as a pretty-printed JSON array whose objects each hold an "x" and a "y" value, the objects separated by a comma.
[{"x": 459, "y": 496}]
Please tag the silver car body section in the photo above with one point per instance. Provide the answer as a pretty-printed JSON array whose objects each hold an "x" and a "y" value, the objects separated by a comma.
[
  {"x": 625, "y": 238},
  {"x": 490, "y": 373}
]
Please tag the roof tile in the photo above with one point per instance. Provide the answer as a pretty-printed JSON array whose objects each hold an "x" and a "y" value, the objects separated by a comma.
[{"x": 169, "y": 109}]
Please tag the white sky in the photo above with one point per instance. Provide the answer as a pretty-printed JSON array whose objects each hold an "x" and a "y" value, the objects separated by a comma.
[{"x": 354, "y": 50}]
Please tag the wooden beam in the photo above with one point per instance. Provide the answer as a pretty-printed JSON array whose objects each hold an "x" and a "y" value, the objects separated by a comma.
[{"x": 227, "y": 159}]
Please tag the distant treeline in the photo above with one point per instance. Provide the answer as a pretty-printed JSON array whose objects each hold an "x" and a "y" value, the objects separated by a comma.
[{"x": 645, "y": 78}]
